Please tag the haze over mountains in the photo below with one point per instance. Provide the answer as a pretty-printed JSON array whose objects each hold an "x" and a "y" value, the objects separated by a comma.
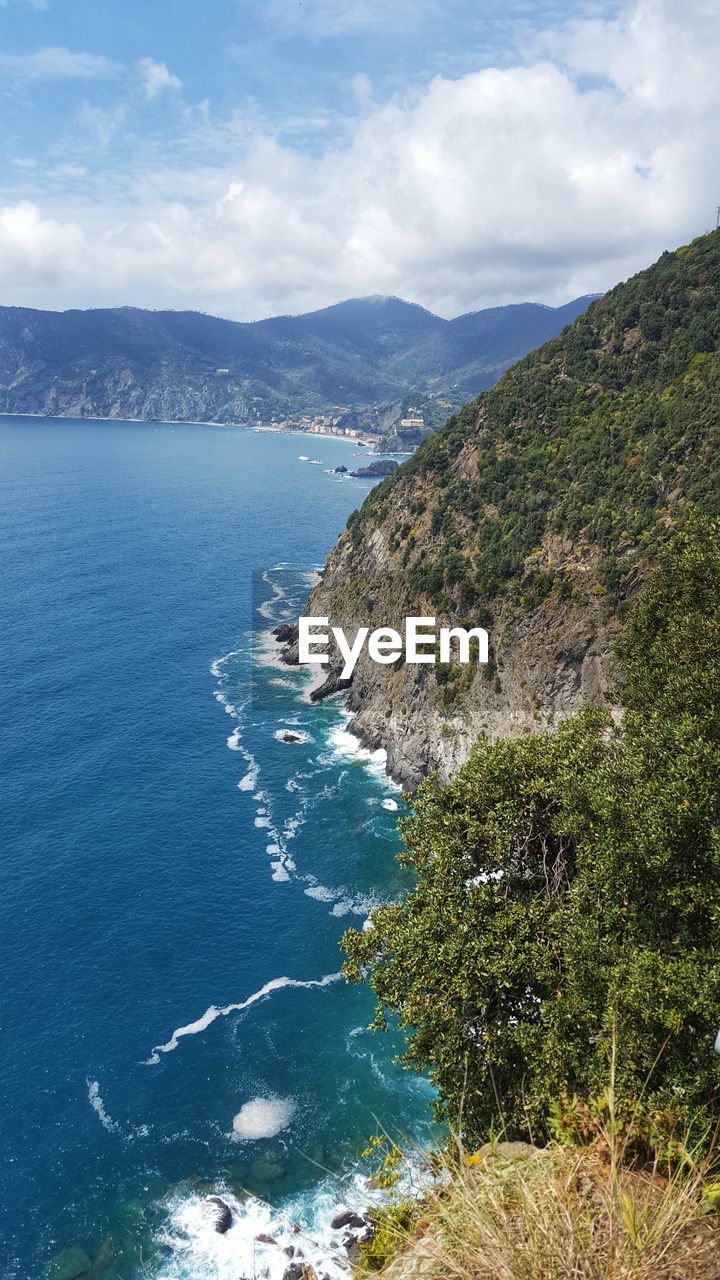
[{"x": 373, "y": 357}]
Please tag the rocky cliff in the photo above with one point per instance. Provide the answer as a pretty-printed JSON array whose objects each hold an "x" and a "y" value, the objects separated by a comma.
[{"x": 534, "y": 512}]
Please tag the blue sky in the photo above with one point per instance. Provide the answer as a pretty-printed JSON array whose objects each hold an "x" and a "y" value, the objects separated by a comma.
[{"x": 249, "y": 158}]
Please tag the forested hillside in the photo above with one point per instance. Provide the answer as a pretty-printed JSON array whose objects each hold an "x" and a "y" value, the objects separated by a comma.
[{"x": 532, "y": 510}]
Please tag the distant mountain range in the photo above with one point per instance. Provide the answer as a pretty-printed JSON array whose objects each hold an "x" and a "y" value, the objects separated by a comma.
[{"x": 374, "y": 358}]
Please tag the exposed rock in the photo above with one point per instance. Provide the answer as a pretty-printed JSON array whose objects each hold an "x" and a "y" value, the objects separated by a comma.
[
  {"x": 352, "y": 1248},
  {"x": 549, "y": 664},
  {"x": 263, "y": 1238},
  {"x": 333, "y": 684},
  {"x": 341, "y": 471},
  {"x": 346, "y": 1218},
  {"x": 299, "y": 1271},
  {"x": 382, "y": 467},
  {"x": 218, "y": 1214},
  {"x": 286, "y": 633},
  {"x": 286, "y": 736}
]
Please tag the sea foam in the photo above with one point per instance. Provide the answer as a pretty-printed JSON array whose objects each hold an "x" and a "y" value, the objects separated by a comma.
[
  {"x": 221, "y": 1011},
  {"x": 262, "y": 1118}
]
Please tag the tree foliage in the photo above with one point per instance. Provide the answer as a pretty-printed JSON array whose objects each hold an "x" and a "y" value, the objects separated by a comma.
[{"x": 568, "y": 890}]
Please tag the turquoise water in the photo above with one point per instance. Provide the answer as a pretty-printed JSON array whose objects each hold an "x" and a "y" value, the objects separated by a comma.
[{"x": 166, "y": 858}]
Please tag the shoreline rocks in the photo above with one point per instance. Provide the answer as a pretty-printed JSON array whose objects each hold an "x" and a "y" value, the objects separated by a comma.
[
  {"x": 375, "y": 470},
  {"x": 218, "y": 1214}
]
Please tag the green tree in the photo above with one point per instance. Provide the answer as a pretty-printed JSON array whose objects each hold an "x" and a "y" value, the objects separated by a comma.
[{"x": 568, "y": 889}]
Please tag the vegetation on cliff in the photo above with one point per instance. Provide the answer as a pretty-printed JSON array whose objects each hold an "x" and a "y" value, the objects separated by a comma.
[
  {"x": 568, "y": 898},
  {"x": 580, "y": 453}
]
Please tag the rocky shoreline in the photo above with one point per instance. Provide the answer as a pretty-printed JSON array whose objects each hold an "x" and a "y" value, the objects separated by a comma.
[{"x": 545, "y": 667}]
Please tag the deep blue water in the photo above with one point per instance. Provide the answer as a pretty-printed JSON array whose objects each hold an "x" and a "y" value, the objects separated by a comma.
[{"x": 137, "y": 888}]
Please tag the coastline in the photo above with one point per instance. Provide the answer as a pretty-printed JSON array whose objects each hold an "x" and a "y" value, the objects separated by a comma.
[
  {"x": 368, "y": 441},
  {"x": 197, "y": 422}
]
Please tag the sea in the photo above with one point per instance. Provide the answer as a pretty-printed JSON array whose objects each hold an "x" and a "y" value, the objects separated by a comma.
[{"x": 185, "y": 838}]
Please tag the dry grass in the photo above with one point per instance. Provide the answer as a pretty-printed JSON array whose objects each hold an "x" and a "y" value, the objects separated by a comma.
[{"x": 561, "y": 1214}]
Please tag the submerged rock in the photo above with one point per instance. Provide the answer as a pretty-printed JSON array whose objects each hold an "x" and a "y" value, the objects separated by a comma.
[
  {"x": 218, "y": 1214},
  {"x": 71, "y": 1264},
  {"x": 265, "y": 1169}
]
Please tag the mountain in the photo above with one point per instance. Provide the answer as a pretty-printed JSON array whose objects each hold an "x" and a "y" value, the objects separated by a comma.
[
  {"x": 534, "y": 512},
  {"x": 373, "y": 359}
]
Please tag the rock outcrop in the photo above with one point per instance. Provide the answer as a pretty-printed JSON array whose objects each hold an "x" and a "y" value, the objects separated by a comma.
[{"x": 218, "y": 1214}]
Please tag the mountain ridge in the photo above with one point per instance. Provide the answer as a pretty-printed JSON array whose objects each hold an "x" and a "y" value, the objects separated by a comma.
[{"x": 374, "y": 357}]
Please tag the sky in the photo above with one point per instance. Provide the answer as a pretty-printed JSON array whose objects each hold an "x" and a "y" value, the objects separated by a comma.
[{"x": 259, "y": 157}]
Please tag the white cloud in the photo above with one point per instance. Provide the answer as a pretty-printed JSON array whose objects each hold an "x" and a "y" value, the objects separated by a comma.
[
  {"x": 496, "y": 186},
  {"x": 156, "y": 77},
  {"x": 100, "y": 124},
  {"x": 38, "y": 247},
  {"x": 56, "y": 63}
]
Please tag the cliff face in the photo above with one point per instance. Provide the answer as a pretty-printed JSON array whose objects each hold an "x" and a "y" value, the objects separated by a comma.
[
  {"x": 545, "y": 665},
  {"x": 533, "y": 513}
]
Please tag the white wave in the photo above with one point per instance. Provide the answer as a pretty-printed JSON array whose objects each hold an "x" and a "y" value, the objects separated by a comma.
[
  {"x": 320, "y": 893},
  {"x": 262, "y": 1236},
  {"x": 360, "y": 905},
  {"x": 233, "y": 741},
  {"x": 303, "y": 457},
  {"x": 266, "y": 652},
  {"x": 345, "y": 902},
  {"x": 313, "y": 679},
  {"x": 346, "y": 745},
  {"x": 96, "y": 1102},
  {"x": 217, "y": 665},
  {"x": 222, "y": 1011},
  {"x": 262, "y": 1118},
  {"x": 268, "y": 608},
  {"x": 98, "y": 1106},
  {"x": 195, "y": 1249},
  {"x": 390, "y": 805},
  {"x": 250, "y": 780}
]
